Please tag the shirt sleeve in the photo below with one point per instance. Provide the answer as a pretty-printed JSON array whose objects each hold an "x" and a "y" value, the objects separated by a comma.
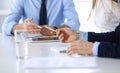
[
  {"x": 70, "y": 14},
  {"x": 118, "y": 1},
  {"x": 13, "y": 17},
  {"x": 83, "y": 36},
  {"x": 95, "y": 48}
]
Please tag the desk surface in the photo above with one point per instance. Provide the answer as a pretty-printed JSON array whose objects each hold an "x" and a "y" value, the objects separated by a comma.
[{"x": 9, "y": 63}]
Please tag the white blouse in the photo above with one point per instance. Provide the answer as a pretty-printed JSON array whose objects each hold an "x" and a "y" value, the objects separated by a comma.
[{"x": 106, "y": 15}]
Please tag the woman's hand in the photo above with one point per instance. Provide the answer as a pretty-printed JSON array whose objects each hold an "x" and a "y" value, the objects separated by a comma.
[
  {"x": 66, "y": 34},
  {"x": 81, "y": 47}
]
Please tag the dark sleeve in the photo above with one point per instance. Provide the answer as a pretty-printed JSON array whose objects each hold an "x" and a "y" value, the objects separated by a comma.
[
  {"x": 105, "y": 37},
  {"x": 107, "y": 49},
  {"x": 109, "y": 43},
  {"x": 92, "y": 37}
]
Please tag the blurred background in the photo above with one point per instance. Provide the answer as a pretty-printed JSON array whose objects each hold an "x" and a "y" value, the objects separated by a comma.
[
  {"x": 4, "y": 9},
  {"x": 82, "y": 6}
]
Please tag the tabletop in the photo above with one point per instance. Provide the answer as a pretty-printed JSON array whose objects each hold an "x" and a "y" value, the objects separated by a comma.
[{"x": 41, "y": 52}]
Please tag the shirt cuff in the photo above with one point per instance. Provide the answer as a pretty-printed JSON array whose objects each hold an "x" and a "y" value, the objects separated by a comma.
[
  {"x": 95, "y": 48},
  {"x": 83, "y": 36}
]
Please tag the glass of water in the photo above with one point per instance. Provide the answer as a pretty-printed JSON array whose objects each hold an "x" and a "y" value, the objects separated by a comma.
[
  {"x": 21, "y": 39},
  {"x": 21, "y": 35}
]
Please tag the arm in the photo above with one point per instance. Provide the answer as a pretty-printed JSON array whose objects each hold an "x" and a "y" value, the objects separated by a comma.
[
  {"x": 70, "y": 13},
  {"x": 103, "y": 49},
  {"x": 68, "y": 35},
  {"x": 110, "y": 43},
  {"x": 105, "y": 37},
  {"x": 92, "y": 37},
  {"x": 108, "y": 49},
  {"x": 13, "y": 17}
]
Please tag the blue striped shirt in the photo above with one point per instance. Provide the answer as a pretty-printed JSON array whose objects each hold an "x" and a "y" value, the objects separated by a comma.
[{"x": 57, "y": 12}]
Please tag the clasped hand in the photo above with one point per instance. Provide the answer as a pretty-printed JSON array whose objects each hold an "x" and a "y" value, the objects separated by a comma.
[{"x": 36, "y": 29}]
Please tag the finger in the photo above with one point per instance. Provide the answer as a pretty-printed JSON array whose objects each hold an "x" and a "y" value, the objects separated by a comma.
[
  {"x": 58, "y": 32},
  {"x": 44, "y": 32},
  {"x": 61, "y": 36},
  {"x": 53, "y": 32},
  {"x": 28, "y": 19},
  {"x": 34, "y": 31},
  {"x": 27, "y": 25},
  {"x": 71, "y": 48},
  {"x": 78, "y": 51},
  {"x": 71, "y": 52},
  {"x": 28, "y": 22},
  {"x": 31, "y": 27},
  {"x": 62, "y": 39}
]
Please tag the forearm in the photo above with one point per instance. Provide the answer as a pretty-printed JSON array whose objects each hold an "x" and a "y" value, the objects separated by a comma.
[
  {"x": 101, "y": 37},
  {"x": 108, "y": 49}
]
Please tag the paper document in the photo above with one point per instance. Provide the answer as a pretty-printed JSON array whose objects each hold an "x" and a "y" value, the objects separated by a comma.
[
  {"x": 33, "y": 35},
  {"x": 56, "y": 63}
]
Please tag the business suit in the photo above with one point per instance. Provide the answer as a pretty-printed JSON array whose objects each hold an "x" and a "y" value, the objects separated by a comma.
[{"x": 109, "y": 43}]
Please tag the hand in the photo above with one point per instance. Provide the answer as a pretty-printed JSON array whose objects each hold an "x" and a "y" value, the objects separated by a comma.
[
  {"x": 47, "y": 30},
  {"x": 81, "y": 47},
  {"x": 27, "y": 25},
  {"x": 66, "y": 35},
  {"x": 30, "y": 27}
]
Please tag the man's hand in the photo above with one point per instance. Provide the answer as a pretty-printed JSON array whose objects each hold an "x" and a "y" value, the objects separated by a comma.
[
  {"x": 81, "y": 47},
  {"x": 47, "y": 30},
  {"x": 27, "y": 25},
  {"x": 31, "y": 27},
  {"x": 66, "y": 34}
]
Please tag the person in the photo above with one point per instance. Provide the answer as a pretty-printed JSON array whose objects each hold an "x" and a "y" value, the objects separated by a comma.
[
  {"x": 97, "y": 44},
  {"x": 118, "y": 1},
  {"x": 28, "y": 11},
  {"x": 105, "y": 15}
]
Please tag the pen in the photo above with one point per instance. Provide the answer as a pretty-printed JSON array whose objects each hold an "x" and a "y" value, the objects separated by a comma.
[
  {"x": 47, "y": 28},
  {"x": 63, "y": 51},
  {"x": 39, "y": 26},
  {"x": 50, "y": 28}
]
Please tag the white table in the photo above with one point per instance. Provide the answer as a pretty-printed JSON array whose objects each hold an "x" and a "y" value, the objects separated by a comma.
[{"x": 9, "y": 63}]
